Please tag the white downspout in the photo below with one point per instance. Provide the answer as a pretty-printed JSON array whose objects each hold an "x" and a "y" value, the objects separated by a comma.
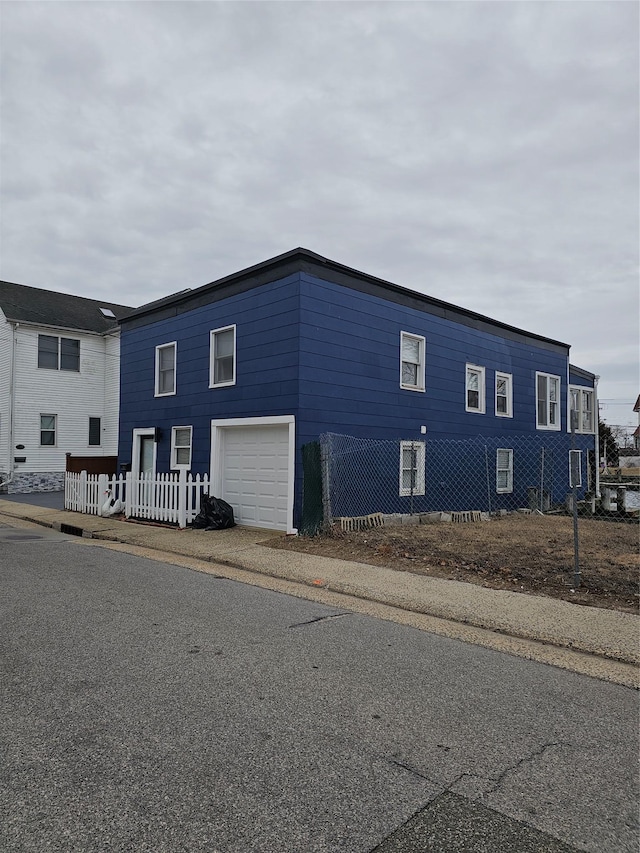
[{"x": 12, "y": 386}]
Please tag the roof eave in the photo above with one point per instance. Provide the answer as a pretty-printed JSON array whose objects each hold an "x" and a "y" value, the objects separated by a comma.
[{"x": 306, "y": 255}]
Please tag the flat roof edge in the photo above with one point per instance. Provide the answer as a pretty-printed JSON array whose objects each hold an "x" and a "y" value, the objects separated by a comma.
[{"x": 305, "y": 260}]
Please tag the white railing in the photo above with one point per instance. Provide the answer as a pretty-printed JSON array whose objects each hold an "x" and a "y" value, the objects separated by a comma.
[{"x": 172, "y": 498}]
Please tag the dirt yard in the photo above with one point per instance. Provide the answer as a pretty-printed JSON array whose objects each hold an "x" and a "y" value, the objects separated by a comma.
[{"x": 524, "y": 553}]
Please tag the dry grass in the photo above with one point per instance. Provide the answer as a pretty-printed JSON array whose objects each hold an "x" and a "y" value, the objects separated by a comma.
[{"x": 526, "y": 553}]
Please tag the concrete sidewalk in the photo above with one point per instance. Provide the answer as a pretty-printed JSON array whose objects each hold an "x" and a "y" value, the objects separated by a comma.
[{"x": 608, "y": 634}]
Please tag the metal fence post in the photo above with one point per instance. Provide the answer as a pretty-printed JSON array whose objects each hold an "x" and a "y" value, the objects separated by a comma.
[
  {"x": 326, "y": 483},
  {"x": 413, "y": 474},
  {"x": 486, "y": 464},
  {"x": 574, "y": 500}
]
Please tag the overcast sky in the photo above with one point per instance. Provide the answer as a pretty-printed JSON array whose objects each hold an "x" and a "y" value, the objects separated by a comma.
[{"x": 483, "y": 153}]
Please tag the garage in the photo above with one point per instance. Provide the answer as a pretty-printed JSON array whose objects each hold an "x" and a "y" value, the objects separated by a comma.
[{"x": 252, "y": 463}]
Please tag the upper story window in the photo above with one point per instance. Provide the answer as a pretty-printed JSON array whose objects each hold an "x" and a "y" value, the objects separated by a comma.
[
  {"x": 412, "y": 465},
  {"x": 475, "y": 400},
  {"x": 412, "y": 361},
  {"x": 48, "y": 430},
  {"x": 56, "y": 353},
  {"x": 222, "y": 369},
  {"x": 165, "y": 369},
  {"x": 181, "y": 447},
  {"x": 547, "y": 401},
  {"x": 504, "y": 395},
  {"x": 582, "y": 409}
]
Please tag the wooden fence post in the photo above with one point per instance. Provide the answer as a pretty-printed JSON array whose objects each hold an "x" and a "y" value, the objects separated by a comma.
[
  {"x": 182, "y": 498},
  {"x": 83, "y": 491},
  {"x": 128, "y": 494},
  {"x": 103, "y": 485}
]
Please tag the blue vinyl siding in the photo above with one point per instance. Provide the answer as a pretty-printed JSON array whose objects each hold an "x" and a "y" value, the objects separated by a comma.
[
  {"x": 266, "y": 322},
  {"x": 576, "y": 378},
  {"x": 330, "y": 356},
  {"x": 349, "y": 369}
]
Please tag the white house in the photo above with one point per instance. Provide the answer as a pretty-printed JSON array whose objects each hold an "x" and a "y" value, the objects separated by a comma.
[{"x": 59, "y": 384}]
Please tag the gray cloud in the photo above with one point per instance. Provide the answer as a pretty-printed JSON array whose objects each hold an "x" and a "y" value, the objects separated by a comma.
[{"x": 486, "y": 153}]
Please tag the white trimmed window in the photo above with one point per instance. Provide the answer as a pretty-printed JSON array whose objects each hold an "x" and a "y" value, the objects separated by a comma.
[
  {"x": 222, "y": 369},
  {"x": 475, "y": 394},
  {"x": 504, "y": 470},
  {"x": 547, "y": 401},
  {"x": 504, "y": 395},
  {"x": 582, "y": 409},
  {"x": 48, "y": 430},
  {"x": 412, "y": 362},
  {"x": 166, "y": 369},
  {"x": 181, "y": 447},
  {"x": 412, "y": 463}
]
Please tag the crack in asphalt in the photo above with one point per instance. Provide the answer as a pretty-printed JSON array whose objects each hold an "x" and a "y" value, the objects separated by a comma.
[
  {"x": 409, "y": 768},
  {"x": 535, "y": 754},
  {"x": 498, "y": 780},
  {"x": 319, "y": 619}
]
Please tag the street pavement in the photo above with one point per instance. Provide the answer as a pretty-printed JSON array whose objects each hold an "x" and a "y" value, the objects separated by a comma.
[
  {"x": 150, "y": 708},
  {"x": 589, "y": 640}
]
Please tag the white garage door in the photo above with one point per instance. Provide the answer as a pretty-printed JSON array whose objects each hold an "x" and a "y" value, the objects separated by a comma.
[{"x": 254, "y": 467}]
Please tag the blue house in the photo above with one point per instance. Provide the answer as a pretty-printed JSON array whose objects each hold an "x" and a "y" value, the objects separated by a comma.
[{"x": 234, "y": 378}]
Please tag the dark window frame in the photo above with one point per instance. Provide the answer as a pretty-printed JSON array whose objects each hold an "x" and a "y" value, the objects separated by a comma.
[
  {"x": 48, "y": 430},
  {"x": 58, "y": 353},
  {"x": 95, "y": 424}
]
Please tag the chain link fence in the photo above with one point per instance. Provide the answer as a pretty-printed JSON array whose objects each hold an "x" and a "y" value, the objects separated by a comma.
[{"x": 347, "y": 477}]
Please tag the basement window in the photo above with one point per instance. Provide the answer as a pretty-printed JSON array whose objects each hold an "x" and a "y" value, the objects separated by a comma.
[{"x": 412, "y": 466}]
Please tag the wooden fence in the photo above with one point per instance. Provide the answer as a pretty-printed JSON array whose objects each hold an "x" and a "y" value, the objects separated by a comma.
[
  {"x": 172, "y": 498},
  {"x": 92, "y": 464}
]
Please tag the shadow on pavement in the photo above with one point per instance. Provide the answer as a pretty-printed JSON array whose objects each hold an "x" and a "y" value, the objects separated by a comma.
[{"x": 52, "y": 500}]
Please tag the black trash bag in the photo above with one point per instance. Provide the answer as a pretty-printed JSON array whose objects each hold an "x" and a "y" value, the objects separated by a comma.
[{"x": 215, "y": 514}]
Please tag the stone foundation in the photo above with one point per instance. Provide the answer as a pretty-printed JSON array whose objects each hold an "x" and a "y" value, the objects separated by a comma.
[{"x": 44, "y": 481}]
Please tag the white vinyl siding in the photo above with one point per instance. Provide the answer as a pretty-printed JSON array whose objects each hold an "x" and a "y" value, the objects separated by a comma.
[
  {"x": 181, "y": 447},
  {"x": 581, "y": 403},
  {"x": 74, "y": 397},
  {"x": 222, "y": 367},
  {"x": 504, "y": 470},
  {"x": 504, "y": 395},
  {"x": 5, "y": 405},
  {"x": 547, "y": 401},
  {"x": 475, "y": 389},
  {"x": 111, "y": 396},
  {"x": 412, "y": 362},
  {"x": 412, "y": 467},
  {"x": 165, "y": 384}
]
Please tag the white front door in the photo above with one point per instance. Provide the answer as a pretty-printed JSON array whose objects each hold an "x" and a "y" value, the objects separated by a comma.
[{"x": 252, "y": 469}]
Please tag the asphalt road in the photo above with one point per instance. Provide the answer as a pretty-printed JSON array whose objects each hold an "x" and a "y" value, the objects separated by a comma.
[
  {"x": 146, "y": 707},
  {"x": 53, "y": 500}
]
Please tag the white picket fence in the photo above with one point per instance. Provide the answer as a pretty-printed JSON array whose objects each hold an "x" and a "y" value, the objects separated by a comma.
[{"x": 173, "y": 498}]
